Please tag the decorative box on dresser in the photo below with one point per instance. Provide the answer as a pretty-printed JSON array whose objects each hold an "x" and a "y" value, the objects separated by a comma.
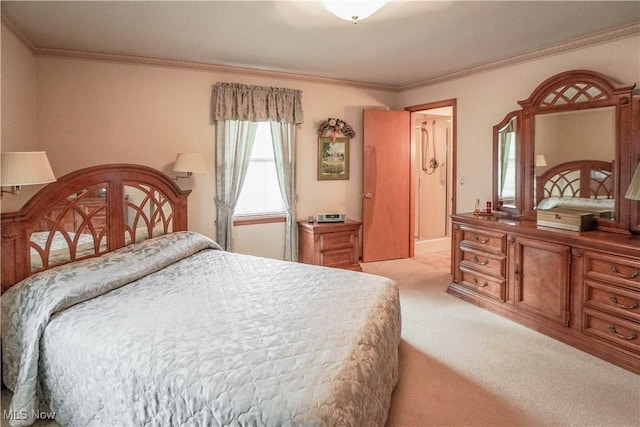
[
  {"x": 582, "y": 288},
  {"x": 330, "y": 244}
]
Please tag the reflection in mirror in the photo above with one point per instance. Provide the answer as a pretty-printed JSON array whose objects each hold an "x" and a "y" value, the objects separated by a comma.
[
  {"x": 147, "y": 213},
  {"x": 563, "y": 138},
  {"x": 585, "y": 185},
  {"x": 507, "y": 145},
  {"x": 75, "y": 228}
]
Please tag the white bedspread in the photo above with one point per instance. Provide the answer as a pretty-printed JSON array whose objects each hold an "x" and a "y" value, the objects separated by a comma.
[{"x": 170, "y": 331}]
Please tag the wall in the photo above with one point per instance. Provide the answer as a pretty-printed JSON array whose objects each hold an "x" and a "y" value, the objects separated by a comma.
[
  {"x": 18, "y": 105},
  {"x": 483, "y": 100},
  {"x": 91, "y": 112}
]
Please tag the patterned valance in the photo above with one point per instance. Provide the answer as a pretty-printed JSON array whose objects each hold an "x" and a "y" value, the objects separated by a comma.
[{"x": 233, "y": 101}]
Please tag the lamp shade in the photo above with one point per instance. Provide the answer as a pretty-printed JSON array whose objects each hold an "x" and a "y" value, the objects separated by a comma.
[
  {"x": 189, "y": 162},
  {"x": 540, "y": 160},
  {"x": 26, "y": 168},
  {"x": 633, "y": 192},
  {"x": 353, "y": 10}
]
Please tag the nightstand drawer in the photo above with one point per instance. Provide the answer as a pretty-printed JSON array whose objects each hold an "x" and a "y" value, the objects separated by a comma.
[
  {"x": 336, "y": 240},
  {"x": 337, "y": 258}
]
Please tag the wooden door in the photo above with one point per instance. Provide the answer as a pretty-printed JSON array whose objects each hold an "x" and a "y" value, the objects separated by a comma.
[{"x": 386, "y": 205}]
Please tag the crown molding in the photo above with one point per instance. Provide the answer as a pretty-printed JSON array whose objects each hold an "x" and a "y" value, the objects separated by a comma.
[
  {"x": 593, "y": 39},
  {"x": 16, "y": 32},
  {"x": 202, "y": 66}
]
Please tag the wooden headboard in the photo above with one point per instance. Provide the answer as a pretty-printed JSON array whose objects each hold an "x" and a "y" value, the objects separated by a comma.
[
  {"x": 587, "y": 179},
  {"x": 87, "y": 213}
]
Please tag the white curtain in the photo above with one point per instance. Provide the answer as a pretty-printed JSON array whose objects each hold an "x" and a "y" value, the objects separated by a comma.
[
  {"x": 236, "y": 110},
  {"x": 284, "y": 148},
  {"x": 234, "y": 142}
]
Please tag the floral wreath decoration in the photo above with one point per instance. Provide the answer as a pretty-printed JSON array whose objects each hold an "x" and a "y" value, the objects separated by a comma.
[{"x": 335, "y": 126}]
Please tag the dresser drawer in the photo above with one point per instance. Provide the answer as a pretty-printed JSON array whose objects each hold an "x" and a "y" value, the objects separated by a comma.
[
  {"x": 612, "y": 329},
  {"x": 619, "y": 270},
  {"x": 484, "y": 284},
  {"x": 330, "y": 241},
  {"x": 614, "y": 300},
  {"x": 483, "y": 240},
  {"x": 489, "y": 263}
]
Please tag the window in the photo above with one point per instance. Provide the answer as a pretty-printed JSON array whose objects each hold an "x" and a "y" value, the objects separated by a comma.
[{"x": 260, "y": 194}]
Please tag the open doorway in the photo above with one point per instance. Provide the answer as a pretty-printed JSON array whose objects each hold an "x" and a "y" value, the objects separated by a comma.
[
  {"x": 433, "y": 142},
  {"x": 391, "y": 214}
]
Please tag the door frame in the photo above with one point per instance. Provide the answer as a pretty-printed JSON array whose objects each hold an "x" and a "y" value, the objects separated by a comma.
[{"x": 412, "y": 172}]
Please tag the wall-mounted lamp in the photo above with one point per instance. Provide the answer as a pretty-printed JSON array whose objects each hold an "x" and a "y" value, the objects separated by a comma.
[
  {"x": 540, "y": 160},
  {"x": 24, "y": 168},
  {"x": 189, "y": 163},
  {"x": 353, "y": 10}
]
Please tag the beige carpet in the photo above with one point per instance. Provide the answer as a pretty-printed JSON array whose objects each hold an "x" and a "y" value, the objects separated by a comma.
[{"x": 463, "y": 366}]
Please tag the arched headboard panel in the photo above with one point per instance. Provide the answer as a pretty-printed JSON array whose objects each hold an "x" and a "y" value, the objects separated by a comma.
[{"x": 89, "y": 212}]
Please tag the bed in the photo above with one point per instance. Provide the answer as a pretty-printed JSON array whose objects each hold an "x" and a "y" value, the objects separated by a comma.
[
  {"x": 583, "y": 185},
  {"x": 172, "y": 330}
]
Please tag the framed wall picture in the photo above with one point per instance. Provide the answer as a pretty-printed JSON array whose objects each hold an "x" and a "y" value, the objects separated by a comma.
[{"x": 333, "y": 158}]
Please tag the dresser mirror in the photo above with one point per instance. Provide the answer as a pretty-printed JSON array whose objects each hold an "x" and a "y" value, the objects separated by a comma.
[
  {"x": 570, "y": 146},
  {"x": 507, "y": 154}
]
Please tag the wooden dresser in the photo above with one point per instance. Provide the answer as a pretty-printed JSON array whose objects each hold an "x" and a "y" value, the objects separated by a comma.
[
  {"x": 331, "y": 244},
  {"x": 579, "y": 287},
  {"x": 582, "y": 288}
]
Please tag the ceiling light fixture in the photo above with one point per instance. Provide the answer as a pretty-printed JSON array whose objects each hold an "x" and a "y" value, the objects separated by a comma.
[{"x": 354, "y": 10}]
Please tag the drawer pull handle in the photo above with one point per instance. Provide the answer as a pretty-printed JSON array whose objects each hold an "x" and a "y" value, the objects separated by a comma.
[
  {"x": 483, "y": 285},
  {"x": 483, "y": 241},
  {"x": 635, "y": 274},
  {"x": 633, "y": 335},
  {"x": 485, "y": 262},
  {"x": 614, "y": 300}
]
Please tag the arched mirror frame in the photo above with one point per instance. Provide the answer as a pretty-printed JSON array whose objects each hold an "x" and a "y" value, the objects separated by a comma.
[{"x": 552, "y": 96}]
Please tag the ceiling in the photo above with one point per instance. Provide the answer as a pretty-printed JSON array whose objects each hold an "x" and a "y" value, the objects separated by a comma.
[{"x": 404, "y": 44}]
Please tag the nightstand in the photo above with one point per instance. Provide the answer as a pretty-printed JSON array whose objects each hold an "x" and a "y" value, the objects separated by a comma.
[{"x": 331, "y": 244}]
